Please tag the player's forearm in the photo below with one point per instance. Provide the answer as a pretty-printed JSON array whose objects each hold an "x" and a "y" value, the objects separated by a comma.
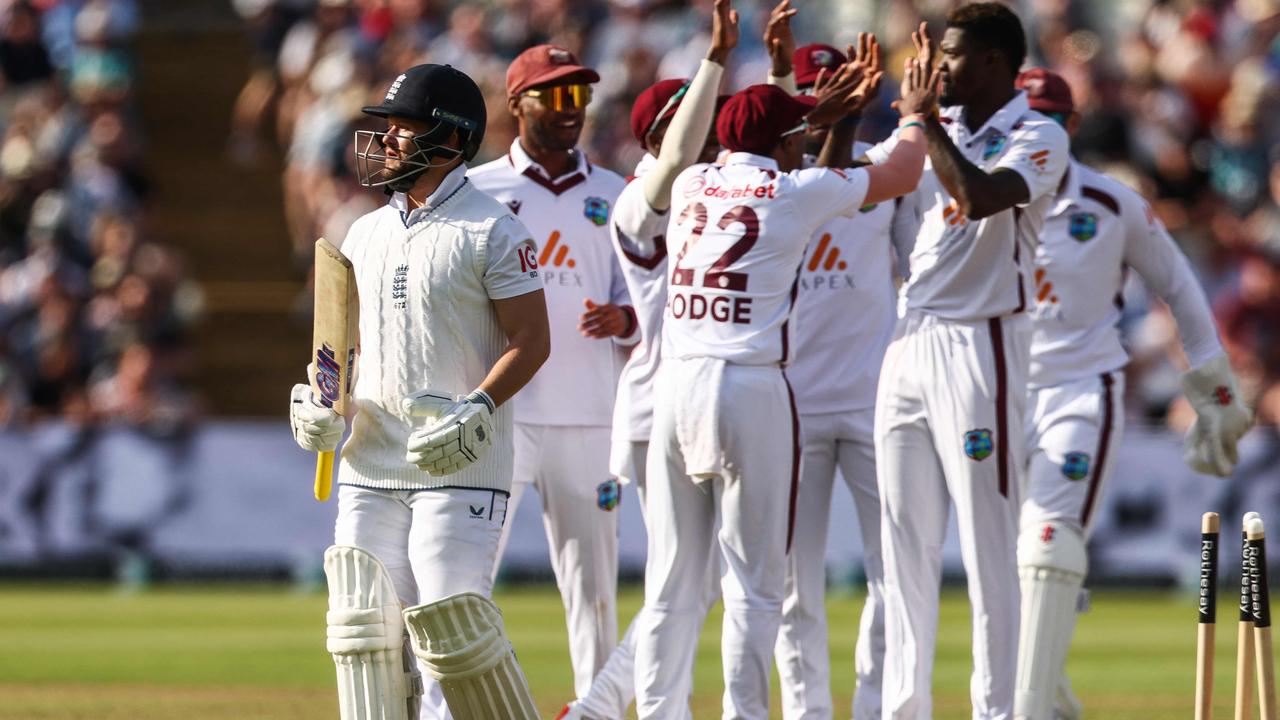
[
  {"x": 900, "y": 173},
  {"x": 837, "y": 147},
  {"x": 977, "y": 193},
  {"x": 516, "y": 367},
  {"x": 1190, "y": 309},
  {"x": 686, "y": 135},
  {"x": 786, "y": 80}
]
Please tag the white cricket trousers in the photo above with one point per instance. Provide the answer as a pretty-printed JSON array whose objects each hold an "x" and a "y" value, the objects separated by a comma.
[
  {"x": 434, "y": 543},
  {"x": 569, "y": 467},
  {"x": 950, "y": 412},
  {"x": 1073, "y": 432},
  {"x": 735, "y": 428},
  {"x": 829, "y": 442}
]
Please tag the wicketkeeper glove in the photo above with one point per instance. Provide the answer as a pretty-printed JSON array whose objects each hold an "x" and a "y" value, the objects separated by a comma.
[
  {"x": 1221, "y": 418},
  {"x": 315, "y": 427},
  {"x": 459, "y": 437}
]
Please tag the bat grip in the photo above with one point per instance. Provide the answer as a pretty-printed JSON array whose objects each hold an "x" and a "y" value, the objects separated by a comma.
[{"x": 324, "y": 475}]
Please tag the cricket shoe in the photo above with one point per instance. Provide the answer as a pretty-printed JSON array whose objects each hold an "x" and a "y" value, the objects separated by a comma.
[
  {"x": 1067, "y": 706},
  {"x": 572, "y": 712}
]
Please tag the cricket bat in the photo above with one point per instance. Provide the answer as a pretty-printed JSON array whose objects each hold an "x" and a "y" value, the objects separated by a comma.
[{"x": 333, "y": 343}]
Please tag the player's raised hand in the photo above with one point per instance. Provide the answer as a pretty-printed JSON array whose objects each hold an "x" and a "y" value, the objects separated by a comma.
[
  {"x": 724, "y": 31},
  {"x": 604, "y": 321},
  {"x": 836, "y": 93},
  {"x": 926, "y": 52},
  {"x": 778, "y": 39},
  {"x": 920, "y": 88}
]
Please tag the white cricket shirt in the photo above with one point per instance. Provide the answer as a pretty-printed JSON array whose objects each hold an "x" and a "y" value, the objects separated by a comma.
[
  {"x": 735, "y": 241},
  {"x": 639, "y": 239},
  {"x": 845, "y": 310},
  {"x": 963, "y": 269},
  {"x": 1096, "y": 228},
  {"x": 426, "y": 280},
  {"x": 569, "y": 218}
]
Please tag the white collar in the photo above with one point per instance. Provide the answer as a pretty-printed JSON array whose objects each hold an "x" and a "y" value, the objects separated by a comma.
[
  {"x": 1069, "y": 191},
  {"x": 521, "y": 161},
  {"x": 746, "y": 158},
  {"x": 1002, "y": 121},
  {"x": 447, "y": 187}
]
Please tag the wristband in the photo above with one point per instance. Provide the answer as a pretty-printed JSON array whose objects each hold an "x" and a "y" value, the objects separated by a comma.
[
  {"x": 480, "y": 397},
  {"x": 913, "y": 123},
  {"x": 913, "y": 117}
]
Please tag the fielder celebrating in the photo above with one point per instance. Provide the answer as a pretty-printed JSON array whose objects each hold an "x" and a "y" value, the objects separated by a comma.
[
  {"x": 562, "y": 418},
  {"x": 848, "y": 266},
  {"x": 952, "y": 390},
  {"x": 453, "y": 323},
  {"x": 672, "y": 121},
  {"x": 725, "y": 448},
  {"x": 1096, "y": 228}
]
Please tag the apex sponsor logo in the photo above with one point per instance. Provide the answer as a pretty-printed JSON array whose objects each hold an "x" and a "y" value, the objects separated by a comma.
[
  {"x": 826, "y": 256},
  {"x": 1041, "y": 159},
  {"x": 1044, "y": 289},
  {"x": 555, "y": 253}
]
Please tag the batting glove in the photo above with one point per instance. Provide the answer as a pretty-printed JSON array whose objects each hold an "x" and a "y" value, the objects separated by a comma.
[
  {"x": 1221, "y": 419},
  {"x": 461, "y": 434},
  {"x": 315, "y": 427}
]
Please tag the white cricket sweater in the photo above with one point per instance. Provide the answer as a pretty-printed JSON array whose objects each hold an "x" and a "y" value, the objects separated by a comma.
[{"x": 426, "y": 281}]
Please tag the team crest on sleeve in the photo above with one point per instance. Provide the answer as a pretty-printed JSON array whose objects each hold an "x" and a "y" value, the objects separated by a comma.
[
  {"x": 596, "y": 209},
  {"x": 1083, "y": 226},
  {"x": 608, "y": 494},
  {"x": 977, "y": 444},
  {"x": 995, "y": 143},
  {"x": 1075, "y": 466}
]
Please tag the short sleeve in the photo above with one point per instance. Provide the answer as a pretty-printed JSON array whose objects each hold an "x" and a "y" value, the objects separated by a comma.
[
  {"x": 511, "y": 260},
  {"x": 824, "y": 193},
  {"x": 1039, "y": 152},
  {"x": 880, "y": 152},
  {"x": 639, "y": 227}
]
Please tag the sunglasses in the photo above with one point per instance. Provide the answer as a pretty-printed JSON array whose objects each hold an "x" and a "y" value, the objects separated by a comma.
[
  {"x": 804, "y": 125},
  {"x": 562, "y": 97},
  {"x": 672, "y": 102}
]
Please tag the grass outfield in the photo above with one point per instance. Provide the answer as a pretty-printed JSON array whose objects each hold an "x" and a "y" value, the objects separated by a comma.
[{"x": 216, "y": 652}]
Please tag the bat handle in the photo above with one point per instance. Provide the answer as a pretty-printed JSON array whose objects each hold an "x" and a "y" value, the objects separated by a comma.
[{"x": 324, "y": 475}]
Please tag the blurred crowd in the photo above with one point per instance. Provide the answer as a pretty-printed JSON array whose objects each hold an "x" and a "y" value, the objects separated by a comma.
[
  {"x": 92, "y": 319},
  {"x": 1180, "y": 98}
]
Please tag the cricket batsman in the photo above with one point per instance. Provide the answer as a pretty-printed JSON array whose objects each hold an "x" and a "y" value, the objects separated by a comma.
[{"x": 452, "y": 323}]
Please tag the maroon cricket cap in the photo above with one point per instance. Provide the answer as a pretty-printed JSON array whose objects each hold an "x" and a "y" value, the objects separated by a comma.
[
  {"x": 543, "y": 64},
  {"x": 808, "y": 60},
  {"x": 653, "y": 100},
  {"x": 1046, "y": 91},
  {"x": 753, "y": 119}
]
